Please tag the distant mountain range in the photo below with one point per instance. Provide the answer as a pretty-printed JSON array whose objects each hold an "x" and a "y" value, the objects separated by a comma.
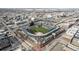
[{"x": 38, "y": 9}]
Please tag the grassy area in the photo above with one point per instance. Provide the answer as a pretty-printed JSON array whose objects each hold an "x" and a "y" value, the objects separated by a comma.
[{"x": 39, "y": 29}]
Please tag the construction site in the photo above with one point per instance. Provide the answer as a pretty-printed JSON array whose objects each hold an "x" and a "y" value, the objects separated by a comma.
[{"x": 36, "y": 29}]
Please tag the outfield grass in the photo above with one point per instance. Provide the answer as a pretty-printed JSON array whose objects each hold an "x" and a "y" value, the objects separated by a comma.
[{"x": 39, "y": 29}]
